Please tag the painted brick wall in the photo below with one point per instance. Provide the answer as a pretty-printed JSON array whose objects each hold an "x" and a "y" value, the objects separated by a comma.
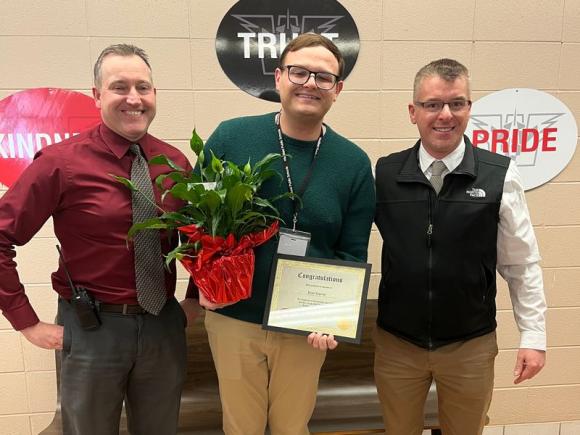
[{"x": 515, "y": 43}]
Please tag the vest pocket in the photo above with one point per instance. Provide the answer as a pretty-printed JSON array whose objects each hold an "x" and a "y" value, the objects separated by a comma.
[{"x": 487, "y": 280}]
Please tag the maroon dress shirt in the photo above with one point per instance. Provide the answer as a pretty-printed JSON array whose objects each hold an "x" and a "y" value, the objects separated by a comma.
[{"x": 91, "y": 211}]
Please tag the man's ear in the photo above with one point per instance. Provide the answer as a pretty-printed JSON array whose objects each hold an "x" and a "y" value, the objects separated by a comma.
[
  {"x": 97, "y": 97},
  {"x": 277, "y": 77},
  {"x": 338, "y": 88},
  {"x": 411, "y": 108}
]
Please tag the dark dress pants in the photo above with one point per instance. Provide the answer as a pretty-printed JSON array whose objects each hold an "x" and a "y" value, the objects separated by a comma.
[{"x": 137, "y": 358}]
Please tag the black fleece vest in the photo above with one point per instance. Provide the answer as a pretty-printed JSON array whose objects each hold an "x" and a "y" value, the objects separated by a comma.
[{"x": 439, "y": 252}]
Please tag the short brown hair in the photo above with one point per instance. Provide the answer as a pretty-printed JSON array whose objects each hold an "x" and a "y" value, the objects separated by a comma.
[
  {"x": 117, "y": 50},
  {"x": 313, "y": 40},
  {"x": 448, "y": 69}
]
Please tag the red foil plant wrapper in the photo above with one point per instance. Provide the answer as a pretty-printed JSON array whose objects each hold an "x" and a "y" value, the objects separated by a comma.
[
  {"x": 223, "y": 220},
  {"x": 223, "y": 268}
]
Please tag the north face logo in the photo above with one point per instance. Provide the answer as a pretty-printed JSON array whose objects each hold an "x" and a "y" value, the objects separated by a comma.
[{"x": 475, "y": 192}]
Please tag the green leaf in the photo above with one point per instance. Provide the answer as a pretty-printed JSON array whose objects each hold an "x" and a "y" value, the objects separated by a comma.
[
  {"x": 181, "y": 191},
  {"x": 222, "y": 193},
  {"x": 215, "y": 224},
  {"x": 216, "y": 164},
  {"x": 266, "y": 174},
  {"x": 232, "y": 172},
  {"x": 231, "y": 180},
  {"x": 196, "y": 215},
  {"x": 261, "y": 202},
  {"x": 231, "y": 206},
  {"x": 287, "y": 195},
  {"x": 176, "y": 177},
  {"x": 125, "y": 181},
  {"x": 160, "y": 180},
  {"x": 253, "y": 216},
  {"x": 200, "y": 161},
  {"x": 177, "y": 219},
  {"x": 247, "y": 168},
  {"x": 265, "y": 162},
  {"x": 211, "y": 200},
  {"x": 236, "y": 197},
  {"x": 196, "y": 144},
  {"x": 179, "y": 177},
  {"x": 253, "y": 225},
  {"x": 192, "y": 178},
  {"x": 149, "y": 224},
  {"x": 208, "y": 174},
  {"x": 183, "y": 250},
  {"x": 164, "y": 160}
]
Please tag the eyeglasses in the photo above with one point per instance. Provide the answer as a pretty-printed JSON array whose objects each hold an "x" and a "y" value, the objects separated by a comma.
[
  {"x": 300, "y": 76},
  {"x": 436, "y": 106}
]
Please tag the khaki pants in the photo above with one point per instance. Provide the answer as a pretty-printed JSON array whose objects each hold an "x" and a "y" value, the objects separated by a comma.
[
  {"x": 265, "y": 377},
  {"x": 463, "y": 373}
]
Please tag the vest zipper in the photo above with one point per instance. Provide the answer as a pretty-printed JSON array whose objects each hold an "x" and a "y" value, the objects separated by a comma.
[{"x": 430, "y": 269}]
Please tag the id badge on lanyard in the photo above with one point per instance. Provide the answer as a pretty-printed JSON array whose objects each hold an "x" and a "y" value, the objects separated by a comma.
[{"x": 293, "y": 242}]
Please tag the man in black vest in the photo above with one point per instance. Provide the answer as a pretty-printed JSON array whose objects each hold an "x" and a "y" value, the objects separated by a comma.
[{"x": 449, "y": 215}]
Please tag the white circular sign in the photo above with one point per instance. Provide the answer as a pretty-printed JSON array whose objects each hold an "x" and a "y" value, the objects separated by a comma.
[{"x": 533, "y": 128}]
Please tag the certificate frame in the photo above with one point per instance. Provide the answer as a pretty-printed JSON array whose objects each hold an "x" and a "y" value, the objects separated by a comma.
[{"x": 308, "y": 294}]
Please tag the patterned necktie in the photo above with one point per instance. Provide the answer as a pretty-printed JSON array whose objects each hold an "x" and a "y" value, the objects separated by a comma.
[
  {"x": 437, "y": 168},
  {"x": 149, "y": 274}
]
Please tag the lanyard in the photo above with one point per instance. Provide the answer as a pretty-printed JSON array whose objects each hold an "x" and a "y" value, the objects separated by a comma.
[{"x": 287, "y": 168}]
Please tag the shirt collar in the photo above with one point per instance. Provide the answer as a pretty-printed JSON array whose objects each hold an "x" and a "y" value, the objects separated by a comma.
[
  {"x": 451, "y": 160},
  {"x": 119, "y": 146}
]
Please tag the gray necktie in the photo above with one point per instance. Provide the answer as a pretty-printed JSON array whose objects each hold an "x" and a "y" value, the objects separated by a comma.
[
  {"x": 149, "y": 273},
  {"x": 437, "y": 168}
]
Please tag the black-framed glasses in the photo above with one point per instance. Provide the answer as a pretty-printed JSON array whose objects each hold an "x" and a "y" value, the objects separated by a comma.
[
  {"x": 436, "y": 106},
  {"x": 300, "y": 75}
]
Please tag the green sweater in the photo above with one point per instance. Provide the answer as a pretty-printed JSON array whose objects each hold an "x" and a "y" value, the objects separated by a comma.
[{"x": 338, "y": 205}]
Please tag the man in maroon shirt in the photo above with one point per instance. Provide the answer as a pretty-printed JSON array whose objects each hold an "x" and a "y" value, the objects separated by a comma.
[{"x": 133, "y": 355}]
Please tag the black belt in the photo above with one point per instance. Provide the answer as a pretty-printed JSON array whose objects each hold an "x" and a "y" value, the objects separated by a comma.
[{"x": 121, "y": 308}]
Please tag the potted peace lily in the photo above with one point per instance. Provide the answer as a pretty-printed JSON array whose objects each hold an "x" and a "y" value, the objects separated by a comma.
[{"x": 222, "y": 220}]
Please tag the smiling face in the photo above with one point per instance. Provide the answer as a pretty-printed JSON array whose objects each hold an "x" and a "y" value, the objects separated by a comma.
[
  {"x": 440, "y": 132},
  {"x": 126, "y": 96},
  {"x": 306, "y": 101}
]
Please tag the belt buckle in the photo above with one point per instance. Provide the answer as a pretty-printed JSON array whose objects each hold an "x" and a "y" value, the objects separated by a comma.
[{"x": 125, "y": 309}]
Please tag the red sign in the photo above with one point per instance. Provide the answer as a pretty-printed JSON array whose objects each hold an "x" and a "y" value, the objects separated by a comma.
[
  {"x": 535, "y": 129},
  {"x": 504, "y": 141},
  {"x": 36, "y": 118}
]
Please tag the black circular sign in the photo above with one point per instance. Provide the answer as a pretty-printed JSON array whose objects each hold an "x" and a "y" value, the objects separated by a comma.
[{"x": 253, "y": 34}]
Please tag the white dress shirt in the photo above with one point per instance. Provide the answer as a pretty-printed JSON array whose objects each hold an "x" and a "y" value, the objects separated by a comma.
[{"x": 517, "y": 250}]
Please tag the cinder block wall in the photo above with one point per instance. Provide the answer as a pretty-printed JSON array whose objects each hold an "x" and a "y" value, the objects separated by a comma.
[{"x": 515, "y": 43}]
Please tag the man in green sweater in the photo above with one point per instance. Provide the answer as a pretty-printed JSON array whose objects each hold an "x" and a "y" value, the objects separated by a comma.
[{"x": 265, "y": 377}]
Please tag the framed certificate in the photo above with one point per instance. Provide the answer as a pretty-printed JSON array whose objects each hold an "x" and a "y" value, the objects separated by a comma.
[{"x": 309, "y": 294}]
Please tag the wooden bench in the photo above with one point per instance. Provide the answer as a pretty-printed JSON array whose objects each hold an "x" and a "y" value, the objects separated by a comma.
[{"x": 347, "y": 398}]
